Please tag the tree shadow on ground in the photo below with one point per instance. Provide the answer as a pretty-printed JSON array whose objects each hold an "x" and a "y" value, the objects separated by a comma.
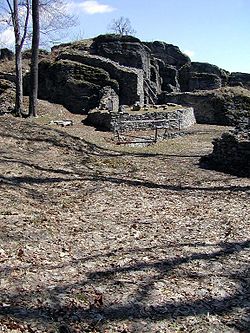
[
  {"x": 33, "y": 132},
  {"x": 19, "y": 180},
  {"x": 21, "y": 305},
  {"x": 24, "y": 305}
]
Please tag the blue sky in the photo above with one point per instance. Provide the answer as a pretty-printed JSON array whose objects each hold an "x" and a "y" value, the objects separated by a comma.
[{"x": 214, "y": 31}]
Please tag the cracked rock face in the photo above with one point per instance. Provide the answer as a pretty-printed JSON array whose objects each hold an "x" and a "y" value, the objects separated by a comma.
[
  {"x": 222, "y": 106},
  {"x": 75, "y": 74},
  {"x": 76, "y": 86},
  {"x": 6, "y": 54}
]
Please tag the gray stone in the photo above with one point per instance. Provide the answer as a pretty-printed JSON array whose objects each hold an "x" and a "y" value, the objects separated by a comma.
[
  {"x": 168, "y": 53},
  {"x": 130, "y": 80},
  {"x": 62, "y": 123},
  {"x": 178, "y": 119},
  {"x": 231, "y": 152},
  {"x": 6, "y": 54},
  {"x": 239, "y": 79},
  {"x": 130, "y": 52},
  {"x": 75, "y": 85},
  {"x": 109, "y": 100},
  {"x": 223, "y": 106},
  {"x": 202, "y": 76}
]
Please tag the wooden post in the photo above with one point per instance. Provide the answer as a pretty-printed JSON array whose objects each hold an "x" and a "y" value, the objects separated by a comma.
[{"x": 156, "y": 133}]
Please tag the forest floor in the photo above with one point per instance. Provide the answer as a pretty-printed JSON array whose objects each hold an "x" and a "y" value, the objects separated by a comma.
[{"x": 101, "y": 237}]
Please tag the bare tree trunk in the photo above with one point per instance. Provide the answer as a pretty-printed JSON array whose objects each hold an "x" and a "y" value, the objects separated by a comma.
[
  {"x": 18, "y": 60},
  {"x": 19, "y": 40},
  {"x": 34, "y": 59},
  {"x": 19, "y": 81}
]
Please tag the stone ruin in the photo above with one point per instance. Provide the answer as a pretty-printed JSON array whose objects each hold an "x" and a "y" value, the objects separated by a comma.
[
  {"x": 231, "y": 152},
  {"x": 171, "y": 117},
  {"x": 78, "y": 74},
  {"x": 109, "y": 71}
]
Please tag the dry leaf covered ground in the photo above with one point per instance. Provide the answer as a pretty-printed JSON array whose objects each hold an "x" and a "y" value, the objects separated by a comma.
[{"x": 97, "y": 237}]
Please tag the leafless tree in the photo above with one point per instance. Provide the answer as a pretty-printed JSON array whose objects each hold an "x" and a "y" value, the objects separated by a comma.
[
  {"x": 20, "y": 35},
  {"x": 34, "y": 58},
  {"x": 55, "y": 20},
  {"x": 53, "y": 17},
  {"x": 121, "y": 26}
]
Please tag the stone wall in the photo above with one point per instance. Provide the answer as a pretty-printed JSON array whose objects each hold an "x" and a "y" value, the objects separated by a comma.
[
  {"x": 109, "y": 100},
  {"x": 173, "y": 120},
  {"x": 231, "y": 153}
]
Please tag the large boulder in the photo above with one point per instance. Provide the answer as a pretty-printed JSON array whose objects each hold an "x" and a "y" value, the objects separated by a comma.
[
  {"x": 130, "y": 80},
  {"x": 168, "y": 53},
  {"x": 6, "y": 54},
  {"x": 75, "y": 85},
  {"x": 222, "y": 106},
  {"x": 239, "y": 79},
  {"x": 202, "y": 76}
]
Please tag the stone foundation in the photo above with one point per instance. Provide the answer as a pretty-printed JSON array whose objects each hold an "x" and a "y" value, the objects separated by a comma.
[{"x": 173, "y": 120}]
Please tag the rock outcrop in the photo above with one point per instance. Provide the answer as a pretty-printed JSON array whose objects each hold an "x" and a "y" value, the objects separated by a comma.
[
  {"x": 168, "y": 53},
  {"x": 131, "y": 52},
  {"x": 222, "y": 106},
  {"x": 7, "y": 94},
  {"x": 6, "y": 54},
  {"x": 149, "y": 72},
  {"x": 129, "y": 79},
  {"x": 75, "y": 85},
  {"x": 202, "y": 76},
  {"x": 81, "y": 75},
  {"x": 239, "y": 79}
]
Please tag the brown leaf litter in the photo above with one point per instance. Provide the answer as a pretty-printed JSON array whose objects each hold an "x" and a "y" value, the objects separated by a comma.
[{"x": 97, "y": 237}]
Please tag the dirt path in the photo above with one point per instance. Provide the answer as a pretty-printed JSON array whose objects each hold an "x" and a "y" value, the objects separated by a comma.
[{"x": 97, "y": 237}]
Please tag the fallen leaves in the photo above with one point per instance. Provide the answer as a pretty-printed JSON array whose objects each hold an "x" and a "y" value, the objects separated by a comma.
[{"x": 129, "y": 241}]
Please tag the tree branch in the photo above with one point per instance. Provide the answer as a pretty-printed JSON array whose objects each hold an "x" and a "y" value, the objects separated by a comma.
[{"x": 26, "y": 22}]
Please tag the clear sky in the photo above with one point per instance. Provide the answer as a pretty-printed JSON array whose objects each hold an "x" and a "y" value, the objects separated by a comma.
[{"x": 214, "y": 31}]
